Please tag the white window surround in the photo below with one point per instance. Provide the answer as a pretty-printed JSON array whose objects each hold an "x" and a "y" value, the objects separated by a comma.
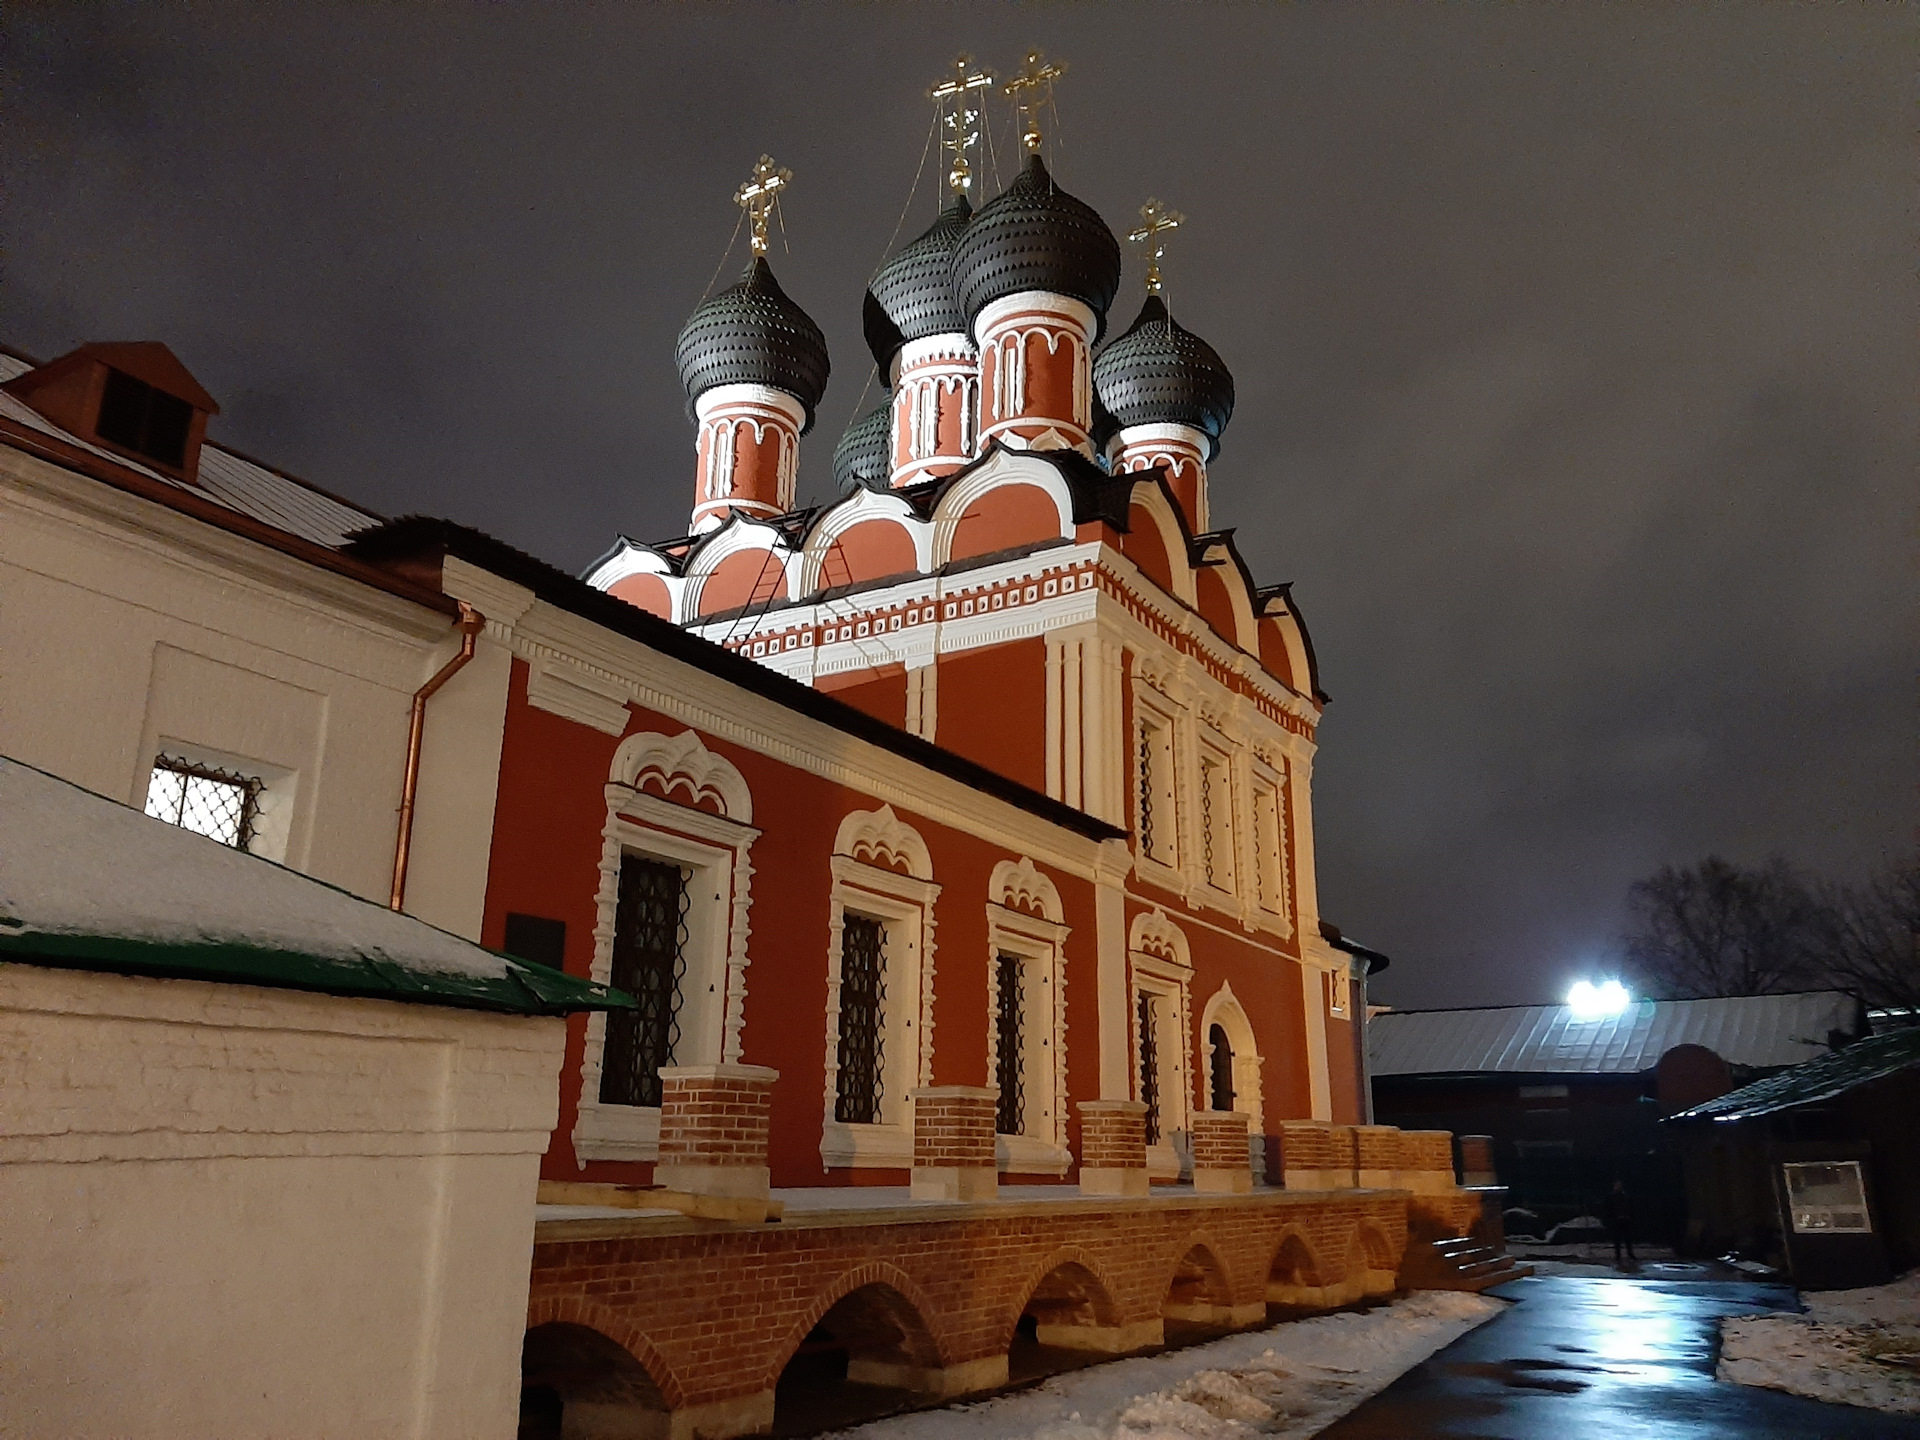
[
  {"x": 714, "y": 851},
  {"x": 1161, "y": 966},
  {"x": 1216, "y": 802},
  {"x": 1156, "y": 730},
  {"x": 1016, "y": 889},
  {"x": 1223, "y": 1008},
  {"x": 1270, "y": 851},
  {"x": 1339, "y": 992},
  {"x": 867, "y": 842},
  {"x": 273, "y": 803}
]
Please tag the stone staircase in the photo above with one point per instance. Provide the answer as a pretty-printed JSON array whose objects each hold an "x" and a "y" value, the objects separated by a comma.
[{"x": 1457, "y": 1264}]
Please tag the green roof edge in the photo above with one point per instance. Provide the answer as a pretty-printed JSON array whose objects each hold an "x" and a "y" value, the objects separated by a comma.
[{"x": 526, "y": 989}]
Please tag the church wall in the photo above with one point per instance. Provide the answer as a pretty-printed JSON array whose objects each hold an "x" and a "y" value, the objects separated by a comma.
[
  {"x": 992, "y": 708},
  {"x": 881, "y": 692},
  {"x": 1343, "y": 1073}
]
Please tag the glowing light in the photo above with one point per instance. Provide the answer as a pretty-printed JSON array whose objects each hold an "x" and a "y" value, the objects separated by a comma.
[{"x": 1589, "y": 1001}]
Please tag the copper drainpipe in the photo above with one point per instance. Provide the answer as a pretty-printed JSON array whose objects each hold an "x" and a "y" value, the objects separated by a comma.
[{"x": 471, "y": 623}]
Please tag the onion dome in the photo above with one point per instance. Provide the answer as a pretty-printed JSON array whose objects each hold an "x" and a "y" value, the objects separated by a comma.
[
  {"x": 1035, "y": 236},
  {"x": 1160, "y": 373},
  {"x": 864, "y": 455},
  {"x": 912, "y": 296},
  {"x": 752, "y": 334}
]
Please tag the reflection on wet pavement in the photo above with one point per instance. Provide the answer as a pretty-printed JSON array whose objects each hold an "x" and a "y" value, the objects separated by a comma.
[{"x": 1646, "y": 1351}]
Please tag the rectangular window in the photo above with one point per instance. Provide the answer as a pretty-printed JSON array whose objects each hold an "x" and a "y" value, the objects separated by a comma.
[
  {"x": 215, "y": 803},
  {"x": 1216, "y": 823},
  {"x": 1009, "y": 1061},
  {"x": 1149, "y": 1067},
  {"x": 1157, "y": 822},
  {"x": 536, "y": 938},
  {"x": 649, "y": 963},
  {"x": 149, "y": 422},
  {"x": 1269, "y": 856},
  {"x": 863, "y": 993}
]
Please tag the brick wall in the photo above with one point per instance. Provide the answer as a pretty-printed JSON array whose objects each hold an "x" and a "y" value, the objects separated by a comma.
[
  {"x": 953, "y": 1126},
  {"x": 714, "y": 1315},
  {"x": 1113, "y": 1134},
  {"x": 714, "y": 1114},
  {"x": 1219, "y": 1140}
]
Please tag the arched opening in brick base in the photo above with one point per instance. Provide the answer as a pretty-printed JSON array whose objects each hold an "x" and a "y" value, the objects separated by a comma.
[
  {"x": 1299, "y": 1281},
  {"x": 576, "y": 1382},
  {"x": 1372, "y": 1262},
  {"x": 1069, "y": 1320},
  {"x": 863, "y": 1358},
  {"x": 1199, "y": 1301}
]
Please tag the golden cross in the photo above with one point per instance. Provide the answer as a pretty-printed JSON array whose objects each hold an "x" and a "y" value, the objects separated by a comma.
[
  {"x": 959, "y": 123},
  {"x": 759, "y": 195},
  {"x": 1024, "y": 89},
  {"x": 1157, "y": 220}
]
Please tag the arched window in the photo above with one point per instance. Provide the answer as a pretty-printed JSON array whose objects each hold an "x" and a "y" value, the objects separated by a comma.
[{"x": 1219, "y": 1069}]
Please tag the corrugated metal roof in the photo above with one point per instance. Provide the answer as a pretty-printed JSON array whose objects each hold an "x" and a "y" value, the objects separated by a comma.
[
  {"x": 1761, "y": 1031},
  {"x": 231, "y": 480},
  {"x": 1859, "y": 1064}
]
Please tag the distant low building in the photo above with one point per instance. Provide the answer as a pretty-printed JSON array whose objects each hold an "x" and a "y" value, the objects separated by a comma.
[
  {"x": 1814, "y": 1167},
  {"x": 1573, "y": 1103}
]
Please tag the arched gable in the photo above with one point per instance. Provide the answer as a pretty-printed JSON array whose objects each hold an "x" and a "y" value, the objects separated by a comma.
[
  {"x": 1156, "y": 540},
  {"x": 866, "y": 536},
  {"x": 686, "y": 772},
  {"x": 1213, "y": 590},
  {"x": 742, "y": 563},
  {"x": 1005, "y": 501},
  {"x": 648, "y": 592},
  {"x": 1276, "y": 654}
]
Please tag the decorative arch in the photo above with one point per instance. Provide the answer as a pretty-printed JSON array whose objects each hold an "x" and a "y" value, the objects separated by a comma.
[
  {"x": 1198, "y": 1287},
  {"x": 1154, "y": 934},
  {"x": 682, "y": 764},
  {"x": 1019, "y": 885},
  {"x": 1224, "y": 601},
  {"x": 882, "y": 838},
  {"x": 1150, "y": 506},
  {"x": 1223, "y": 1008},
  {"x": 895, "y": 1299},
  {"x": 1296, "y": 1263},
  {"x": 863, "y": 507},
  {"x": 577, "y": 1310},
  {"x": 739, "y": 537},
  {"x": 1001, "y": 468},
  {"x": 1067, "y": 1290}
]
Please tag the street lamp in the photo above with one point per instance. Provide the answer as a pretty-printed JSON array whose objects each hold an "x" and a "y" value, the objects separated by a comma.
[{"x": 1589, "y": 1001}]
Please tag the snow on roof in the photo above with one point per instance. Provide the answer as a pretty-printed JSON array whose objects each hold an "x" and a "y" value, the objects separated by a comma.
[
  {"x": 1822, "y": 1078},
  {"x": 1761, "y": 1031},
  {"x": 94, "y": 884},
  {"x": 241, "y": 485}
]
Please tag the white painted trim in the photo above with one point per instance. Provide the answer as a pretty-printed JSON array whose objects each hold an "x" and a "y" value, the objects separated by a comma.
[
  {"x": 682, "y": 762},
  {"x": 1041, "y": 944}
]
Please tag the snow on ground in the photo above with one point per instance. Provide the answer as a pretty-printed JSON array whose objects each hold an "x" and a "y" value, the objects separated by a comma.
[
  {"x": 1294, "y": 1379},
  {"x": 1852, "y": 1347}
]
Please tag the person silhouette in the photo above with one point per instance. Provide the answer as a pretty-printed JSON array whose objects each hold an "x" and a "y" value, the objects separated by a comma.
[{"x": 1618, "y": 1213}]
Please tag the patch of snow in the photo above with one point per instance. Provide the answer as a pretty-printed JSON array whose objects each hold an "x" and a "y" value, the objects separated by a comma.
[
  {"x": 76, "y": 863},
  {"x": 1852, "y": 1347},
  {"x": 1293, "y": 1379}
]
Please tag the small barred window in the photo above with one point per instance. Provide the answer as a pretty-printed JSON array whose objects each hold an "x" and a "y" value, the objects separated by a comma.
[
  {"x": 215, "y": 803},
  {"x": 1008, "y": 1060},
  {"x": 863, "y": 995}
]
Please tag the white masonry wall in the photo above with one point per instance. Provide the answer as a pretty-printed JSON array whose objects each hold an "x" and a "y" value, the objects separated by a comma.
[
  {"x": 229, "y": 1213},
  {"x": 127, "y": 629}
]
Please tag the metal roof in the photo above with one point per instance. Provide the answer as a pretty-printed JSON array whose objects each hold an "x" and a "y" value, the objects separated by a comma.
[
  {"x": 1759, "y": 1031},
  {"x": 234, "y": 481},
  {"x": 1861, "y": 1063}
]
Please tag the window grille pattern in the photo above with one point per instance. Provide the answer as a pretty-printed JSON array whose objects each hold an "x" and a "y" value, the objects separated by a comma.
[
  {"x": 1220, "y": 1069},
  {"x": 863, "y": 994},
  {"x": 1146, "y": 790},
  {"x": 1149, "y": 1068},
  {"x": 208, "y": 802},
  {"x": 1208, "y": 774},
  {"x": 1009, "y": 1061},
  {"x": 649, "y": 963}
]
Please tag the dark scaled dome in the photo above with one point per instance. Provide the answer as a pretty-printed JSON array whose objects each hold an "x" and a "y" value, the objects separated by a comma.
[
  {"x": 864, "y": 455},
  {"x": 1160, "y": 373},
  {"x": 1035, "y": 236},
  {"x": 912, "y": 296},
  {"x": 752, "y": 334}
]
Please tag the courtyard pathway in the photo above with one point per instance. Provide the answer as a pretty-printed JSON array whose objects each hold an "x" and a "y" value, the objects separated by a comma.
[{"x": 1622, "y": 1358}]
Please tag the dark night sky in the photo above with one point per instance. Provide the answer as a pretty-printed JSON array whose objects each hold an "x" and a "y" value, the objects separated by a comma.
[{"x": 1574, "y": 348}]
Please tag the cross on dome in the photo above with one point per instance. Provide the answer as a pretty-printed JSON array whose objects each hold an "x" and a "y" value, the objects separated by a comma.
[
  {"x": 759, "y": 195},
  {"x": 961, "y": 133},
  {"x": 1030, "y": 89},
  {"x": 1156, "y": 220}
]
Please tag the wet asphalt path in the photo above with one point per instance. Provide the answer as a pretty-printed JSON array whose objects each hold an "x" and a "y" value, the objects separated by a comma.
[{"x": 1580, "y": 1356}]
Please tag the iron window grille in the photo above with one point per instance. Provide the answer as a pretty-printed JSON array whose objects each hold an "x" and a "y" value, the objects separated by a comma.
[
  {"x": 1009, "y": 1062},
  {"x": 216, "y": 803},
  {"x": 649, "y": 963},
  {"x": 1146, "y": 790},
  {"x": 1207, "y": 777},
  {"x": 863, "y": 993},
  {"x": 1149, "y": 1069},
  {"x": 1220, "y": 1069}
]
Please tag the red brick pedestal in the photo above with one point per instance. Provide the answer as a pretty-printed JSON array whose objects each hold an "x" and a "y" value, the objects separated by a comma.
[
  {"x": 713, "y": 1138},
  {"x": 953, "y": 1155},
  {"x": 1426, "y": 1162},
  {"x": 1113, "y": 1147},
  {"x": 1315, "y": 1155},
  {"x": 1221, "y": 1165},
  {"x": 1476, "y": 1161},
  {"x": 1376, "y": 1156}
]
